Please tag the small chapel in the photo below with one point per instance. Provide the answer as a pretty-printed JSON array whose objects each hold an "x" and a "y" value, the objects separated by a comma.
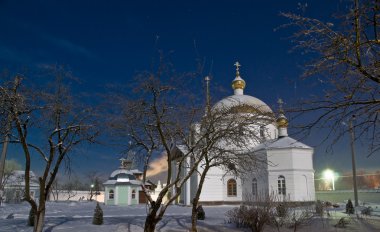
[
  {"x": 288, "y": 173},
  {"x": 123, "y": 187}
]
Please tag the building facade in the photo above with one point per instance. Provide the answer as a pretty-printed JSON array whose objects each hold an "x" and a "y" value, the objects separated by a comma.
[
  {"x": 286, "y": 174},
  {"x": 123, "y": 187}
]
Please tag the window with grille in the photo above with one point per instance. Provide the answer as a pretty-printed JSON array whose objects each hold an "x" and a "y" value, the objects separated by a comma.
[
  {"x": 110, "y": 194},
  {"x": 281, "y": 185},
  {"x": 133, "y": 194},
  {"x": 231, "y": 188},
  {"x": 254, "y": 187}
]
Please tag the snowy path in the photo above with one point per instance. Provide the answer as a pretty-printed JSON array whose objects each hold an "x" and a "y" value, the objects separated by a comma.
[{"x": 77, "y": 217}]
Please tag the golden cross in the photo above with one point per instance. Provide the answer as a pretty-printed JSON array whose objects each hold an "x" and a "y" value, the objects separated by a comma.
[
  {"x": 280, "y": 103},
  {"x": 237, "y": 64}
]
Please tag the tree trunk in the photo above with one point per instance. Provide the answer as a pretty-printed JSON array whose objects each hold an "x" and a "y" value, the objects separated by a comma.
[
  {"x": 39, "y": 220},
  {"x": 194, "y": 213},
  {"x": 150, "y": 222}
]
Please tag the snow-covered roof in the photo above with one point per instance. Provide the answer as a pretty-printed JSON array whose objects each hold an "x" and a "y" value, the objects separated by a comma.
[
  {"x": 123, "y": 176},
  {"x": 242, "y": 100},
  {"x": 17, "y": 178},
  {"x": 124, "y": 171},
  {"x": 282, "y": 143},
  {"x": 136, "y": 171}
]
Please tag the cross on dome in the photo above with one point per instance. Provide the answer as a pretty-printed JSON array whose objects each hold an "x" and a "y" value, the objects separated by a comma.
[
  {"x": 237, "y": 64},
  {"x": 238, "y": 84},
  {"x": 280, "y": 104}
]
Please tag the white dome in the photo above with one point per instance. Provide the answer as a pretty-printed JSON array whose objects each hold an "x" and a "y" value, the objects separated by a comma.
[
  {"x": 243, "y": 103},
  {"x": 121, "y": 172}
]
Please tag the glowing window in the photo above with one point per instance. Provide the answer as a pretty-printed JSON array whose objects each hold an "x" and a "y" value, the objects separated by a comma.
[{"x": 231, "y": 188}]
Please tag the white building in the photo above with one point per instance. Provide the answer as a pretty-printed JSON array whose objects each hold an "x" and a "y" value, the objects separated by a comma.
[
  {"x": 288, "y": 172},
  {"x": 14, "y": 188}
]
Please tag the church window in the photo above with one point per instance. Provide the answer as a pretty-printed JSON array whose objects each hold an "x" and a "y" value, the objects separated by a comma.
[
  {"x": 110, "y": 194},
  {"x": 254, "y": 187},
  {"x": 281, "y": 185},
  {"x": 133, "y": 193},
  {"x": 231, "y": 188}
]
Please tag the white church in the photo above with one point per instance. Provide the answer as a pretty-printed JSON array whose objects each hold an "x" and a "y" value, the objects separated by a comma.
[{"x": 288, "y": 172}]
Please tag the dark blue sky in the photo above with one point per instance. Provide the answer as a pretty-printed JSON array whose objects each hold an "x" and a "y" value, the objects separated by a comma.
[{"x": 109, "y": 41}]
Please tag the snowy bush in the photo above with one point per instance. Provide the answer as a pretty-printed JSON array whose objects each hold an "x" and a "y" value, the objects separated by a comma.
[
  {"x": 98, "y": 215},
  {"x": 251, "y": 216},
  {"x": 342, "y": 223},
  {"x": 319, "y": 208},
  {"x": 367, "y": 211},
  {"x": 282, "y": 210}
]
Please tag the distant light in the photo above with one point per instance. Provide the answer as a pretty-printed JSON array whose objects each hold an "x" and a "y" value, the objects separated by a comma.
[
  {"x": 330, "y": 176},
  {"x": 92, "y": 186}
]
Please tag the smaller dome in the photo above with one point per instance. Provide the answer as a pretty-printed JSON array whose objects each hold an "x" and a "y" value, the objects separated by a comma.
[
  {"x": 282, "y": 121},
  {"x": 238, "y": 83}
]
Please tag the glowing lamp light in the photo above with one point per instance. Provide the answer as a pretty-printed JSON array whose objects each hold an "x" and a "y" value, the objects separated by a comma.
[{"x": 329, "y": 175}]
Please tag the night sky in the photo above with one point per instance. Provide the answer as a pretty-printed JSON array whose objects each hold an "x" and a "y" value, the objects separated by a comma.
[{"x": 107, "y": 42}]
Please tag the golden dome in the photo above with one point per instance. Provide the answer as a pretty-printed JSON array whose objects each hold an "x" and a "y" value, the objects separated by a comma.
[
  {"x": 282, "y": 121},
  {"x": 238, "y": 84}
]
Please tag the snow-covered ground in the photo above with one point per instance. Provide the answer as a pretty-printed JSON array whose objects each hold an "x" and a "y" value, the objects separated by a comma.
[{"x": 77, "y": 216}]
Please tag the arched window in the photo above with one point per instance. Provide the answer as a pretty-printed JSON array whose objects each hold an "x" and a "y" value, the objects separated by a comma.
[
  {"x": 133, "y": 193},
  {"x": 231, "y": 188},
  {"x": 254, "y": 187},
  {"x": 262, "y": 132},
  {"x": 110, "y": 194},
  {"x": 281, "y": 185}
]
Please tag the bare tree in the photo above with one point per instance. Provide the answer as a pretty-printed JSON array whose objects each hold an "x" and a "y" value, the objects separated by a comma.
[
  {"x": 95, "y": 184},
  {"x": 156, "y": 119},
  {"x": 225, "y": 138},
  {"x": 345, "y": 65},
  {"x": 59, "y": 116},
  {"x": 70, "y": 188},
  {"x": 164, "y": 117},
  {"x": 56, "y": 189}
]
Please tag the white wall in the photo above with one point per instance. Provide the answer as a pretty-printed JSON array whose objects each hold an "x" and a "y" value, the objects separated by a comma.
[
  {"x": 63, "y": 195},
  {"x": 296, "y": 165}
]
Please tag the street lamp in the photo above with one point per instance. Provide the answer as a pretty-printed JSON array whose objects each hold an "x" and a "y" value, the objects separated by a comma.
[
  {"x": 329, "y": 175},
  {"x": 91, "y": 188}
]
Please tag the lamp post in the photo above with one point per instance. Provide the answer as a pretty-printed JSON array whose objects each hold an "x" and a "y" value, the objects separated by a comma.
[
  {"x": 91, "y": 187},
  {"x": 352, "y": 132}
]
